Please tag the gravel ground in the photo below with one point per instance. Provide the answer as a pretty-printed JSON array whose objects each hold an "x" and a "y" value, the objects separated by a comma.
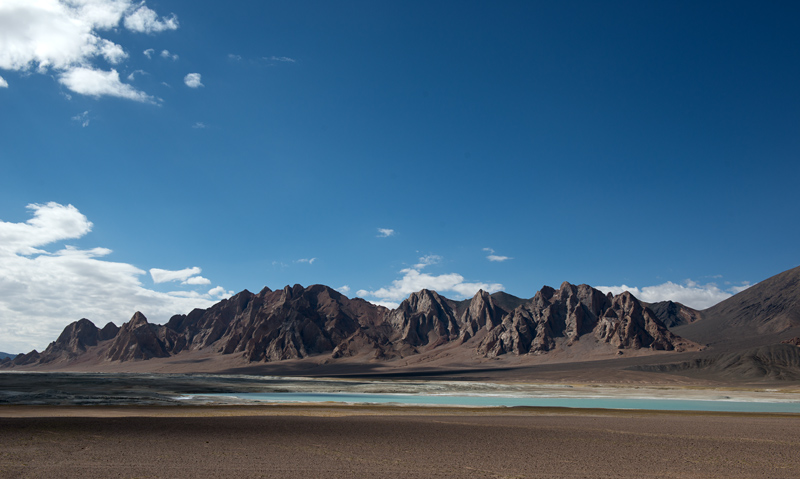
[{"x": 451, "y": 445}]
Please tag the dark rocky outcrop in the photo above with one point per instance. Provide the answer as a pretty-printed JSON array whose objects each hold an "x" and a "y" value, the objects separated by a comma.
[
  {"x": 424, "y": 319},
  {"x": 138, "y": 339},
  {"x": 674, "y": 314},
  {"x": 572, "y": 312}
]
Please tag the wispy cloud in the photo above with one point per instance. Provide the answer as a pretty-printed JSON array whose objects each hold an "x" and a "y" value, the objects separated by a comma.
[
  {"x": 494, "y": 257},
  {"x": 414, "y": 279},
  {"x": 165, "y": 275},
  {"x": 234, "y": 57},
  {"x": 64, "y": 38},
  {"x": 169, "y": 56},
  {"x": 385, "y": 232},
  {"x": 690, "y": 293},
  {"x": 82, "y": 118},
  {"x": 192, "y": 80},
  {"x": 306, "y": 260},
  {"x": 199, "y": 125},
  {"x": 149, "y": 53},
  {"x": 428, "y": 260},
  {"x": 281, "y": 59},
  {"x": 42, "y": 289},
  {"x": 132, "y": 75}
]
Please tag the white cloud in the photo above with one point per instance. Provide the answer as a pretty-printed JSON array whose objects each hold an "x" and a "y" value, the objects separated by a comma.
[
  {"x": 414, "y": 280},
  {"x": 51, "y": 222},
  {"x": 82, "y": 118},
  {"x": 170, "y": 56},
  {"x": 149, "y": 53},
  {"x": 234, "y": 57},
  {"x": 306, "y": 260},
  {"x": 192, "y": 80},
  {"x": 494, "y": 257},
  {"x": 220, "y": 293},
  {"x": 145, "y": 20},
  {"x": 97, "y": 83},
  {"x": 343, "y": 289},
  {"x": 3, "y": 83},
  {"x": 164, "y": 275},
  {"x": 197, "y": 280},
  {"x": 386, "y": 304},
  {"x": 690, "y": 293},
  {"x": 281, "y": 59},
  {"x": 43, "y": 291},
  {"x": 65, "y": 37},
  {"x": 385, "y": 232},
  {"x": 199, "y": 125}
]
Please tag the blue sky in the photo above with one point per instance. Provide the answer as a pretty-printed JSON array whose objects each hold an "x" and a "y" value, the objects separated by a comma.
[{"x": 160, "y": 156}]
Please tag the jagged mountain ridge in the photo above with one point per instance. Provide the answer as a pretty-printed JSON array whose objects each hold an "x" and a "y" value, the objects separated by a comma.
[{"x": 298, "y": 322}]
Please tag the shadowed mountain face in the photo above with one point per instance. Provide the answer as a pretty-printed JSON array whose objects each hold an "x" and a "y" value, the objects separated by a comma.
[
  {"x": 765, "y": 313},
  {"x": 298, "y": 322},
  {"x": 674, "y": 314}
]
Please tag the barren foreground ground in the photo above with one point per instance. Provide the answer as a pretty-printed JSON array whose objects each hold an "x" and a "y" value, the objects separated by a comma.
[{"x": 344, "y": 441}]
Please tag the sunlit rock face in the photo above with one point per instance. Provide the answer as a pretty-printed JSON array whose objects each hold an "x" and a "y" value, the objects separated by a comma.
[{"x": 298, "y": 322}]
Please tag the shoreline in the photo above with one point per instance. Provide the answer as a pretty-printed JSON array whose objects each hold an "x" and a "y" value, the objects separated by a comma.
[{"x": 344, "y": 410}]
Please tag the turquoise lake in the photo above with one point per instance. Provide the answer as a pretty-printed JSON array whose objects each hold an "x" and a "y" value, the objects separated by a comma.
[{"x": 510, "y": 401}]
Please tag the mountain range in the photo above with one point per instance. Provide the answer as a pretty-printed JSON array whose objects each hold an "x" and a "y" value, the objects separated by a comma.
[{"x": 317, "y": 323}]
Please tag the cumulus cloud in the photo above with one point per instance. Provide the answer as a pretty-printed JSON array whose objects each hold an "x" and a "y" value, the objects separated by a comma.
[
  {"x": 385, "y": 232},
  {"x": 343, "y": 289},
  {"x": 97, "y": 83},
  {"x": 192, "y": 80},
  {"x": 494, "y": 257},
  {"x": 414, "y": 279},
  {"x": 43, "y": 290},
  {"x": 219, "y": 292},
  {"x": 145, "y": 20},
  {"x": 197, "y": 280},
  {"x": 3, "y": 83},
  {"x": 65, "y": 37},
  {"x": 690, "y": 293}
]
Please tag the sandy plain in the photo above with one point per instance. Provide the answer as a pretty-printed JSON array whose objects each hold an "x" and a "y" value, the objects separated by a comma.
[{"x": 302, "y": 441}]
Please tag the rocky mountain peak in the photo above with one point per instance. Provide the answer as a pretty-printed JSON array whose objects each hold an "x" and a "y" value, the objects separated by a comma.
[{"x": 136, "y": 321}]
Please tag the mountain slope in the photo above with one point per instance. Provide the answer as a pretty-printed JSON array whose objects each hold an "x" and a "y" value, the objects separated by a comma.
[{"x": 765, "y": 313}]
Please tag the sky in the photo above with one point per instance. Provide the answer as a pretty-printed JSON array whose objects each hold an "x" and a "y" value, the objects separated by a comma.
[{"x": 163, "y": 155}]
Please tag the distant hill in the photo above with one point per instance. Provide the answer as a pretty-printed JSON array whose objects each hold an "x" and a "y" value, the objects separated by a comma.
[
  {"x": 763, "y": 314},
  {"x": 6, "y": 355}
]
